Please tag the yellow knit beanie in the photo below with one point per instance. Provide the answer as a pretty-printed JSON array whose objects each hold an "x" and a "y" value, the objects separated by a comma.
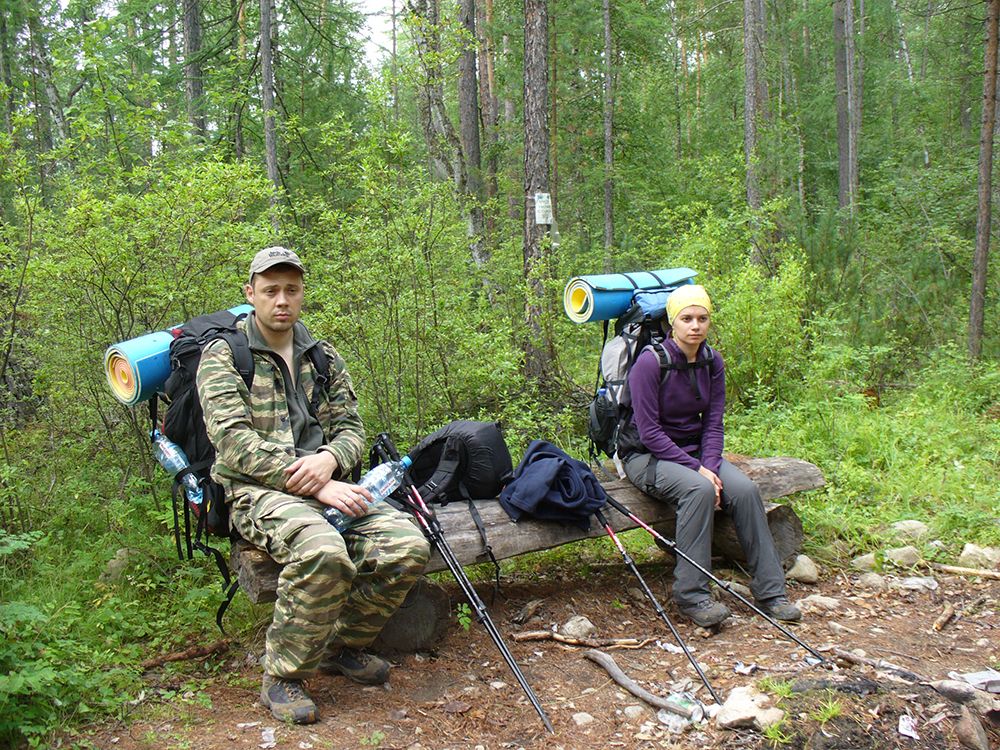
[{"x": 685, "y": 296}]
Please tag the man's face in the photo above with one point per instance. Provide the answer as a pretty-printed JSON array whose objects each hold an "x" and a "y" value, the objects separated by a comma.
[{"x": 276, "y": 295}]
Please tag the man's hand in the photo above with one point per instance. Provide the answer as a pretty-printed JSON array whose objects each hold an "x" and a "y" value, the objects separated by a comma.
[
  {"x": 347, "y": 498},
  {"x": 309, "y": 474},
  {"x": 712, "y": 477}
]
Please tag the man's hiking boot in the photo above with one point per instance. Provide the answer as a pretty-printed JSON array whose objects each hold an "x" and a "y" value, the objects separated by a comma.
[
  {"x": 781, "y": 609},
  {"x": 288, "y": 700},
  {"x": 359, "y": 665},
  {"x": 707, "y": 613}
]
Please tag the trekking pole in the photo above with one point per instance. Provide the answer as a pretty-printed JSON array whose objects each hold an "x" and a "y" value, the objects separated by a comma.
[
  {"x": 431, "y": 527},
  {"x": 630, "y": 564},
  {"x": 722, "y": 584}
]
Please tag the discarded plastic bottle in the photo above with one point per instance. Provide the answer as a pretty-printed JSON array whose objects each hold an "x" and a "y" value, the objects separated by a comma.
[
  {"x": 172, "y": 458},
  {"x": 381, "y": 482}
]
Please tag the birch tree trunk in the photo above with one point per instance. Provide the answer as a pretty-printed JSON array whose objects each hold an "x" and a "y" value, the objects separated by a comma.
[
  {"x": 488, "y": 97},
  {"x": 267, "y": 97},
  {"x": 751, "y": 92},
  {"x": 194, "y": 86},
  {"x": 609, "y": 153},
  {"x": 537, "y": 351},
  {"x": 847, "y": 116},
  {"x": 468, "y": 120},
  {"x": 7, "y": 103},
  {"x": 977, "y": 306}
]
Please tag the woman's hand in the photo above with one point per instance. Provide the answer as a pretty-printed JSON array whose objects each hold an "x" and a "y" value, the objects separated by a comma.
[
  {"x": 712, "y": 477},
  {"x": 349, "y": 499}
]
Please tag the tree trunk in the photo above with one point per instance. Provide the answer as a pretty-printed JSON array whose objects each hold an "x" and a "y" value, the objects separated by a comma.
[
  {"x": 43, "y": 69},
  {"x": 7, "y": 102},
  {"x": 194, "y": 85},
  {"x": 239, "y": 11},
  {"x": 267, "y": 86},
  {"x": 554, "y": 119},
  {"x": 468, "y": 121},
  {"x": 488, "y": 96},
  {"x": 609, "y": 104},
  {"x": 443, "y": 145},
  {"x": 977, "y": 306},
  {"x": 847, "y": 169},
  {"x": 751, "y": 105},
  {"x": 537, "y": 351},
  {"x": 513, "y": 204}
]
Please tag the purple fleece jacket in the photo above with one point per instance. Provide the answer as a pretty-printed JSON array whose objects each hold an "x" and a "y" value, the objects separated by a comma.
[{"x": 673, "y": 424}]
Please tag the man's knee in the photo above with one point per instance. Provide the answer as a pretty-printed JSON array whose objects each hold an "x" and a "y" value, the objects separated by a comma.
[
  {"x": 409, "y": 551},
  {"x": 324, "y": 556}
]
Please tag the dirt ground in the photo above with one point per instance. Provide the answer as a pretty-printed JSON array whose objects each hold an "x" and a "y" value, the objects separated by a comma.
[{"x": 463, "y": 695}]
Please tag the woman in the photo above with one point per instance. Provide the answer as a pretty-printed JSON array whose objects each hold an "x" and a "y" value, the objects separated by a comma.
[{"x": 678, "y": 396}]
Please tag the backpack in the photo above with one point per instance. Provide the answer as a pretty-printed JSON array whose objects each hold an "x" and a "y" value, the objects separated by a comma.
[
  {"x": 643, "y": 325},
  {"x": 464, "y": 460},
  {"x": 184, "y": 424}
]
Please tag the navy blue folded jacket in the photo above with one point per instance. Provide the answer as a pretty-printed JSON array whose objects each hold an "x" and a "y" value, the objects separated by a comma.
[{"x": 552, "y": 486}]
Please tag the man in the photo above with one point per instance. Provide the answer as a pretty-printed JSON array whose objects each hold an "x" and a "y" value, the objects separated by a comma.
[{"x": 282, "y": 457}]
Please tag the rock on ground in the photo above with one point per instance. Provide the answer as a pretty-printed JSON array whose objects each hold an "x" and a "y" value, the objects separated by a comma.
[
  {"x": 803, "y": 570},
  {"x": 910, "y": 529},
  {"x": 904, "y": 557},
  {"x": 872, "y": 581},
  {"x": 974, "y": 556},
  {"x": 864, "y": 562},
  {"x": 747, "y": 707},
  {"x": 970, "y": 731},
  {"x": 578, "y": 626}
]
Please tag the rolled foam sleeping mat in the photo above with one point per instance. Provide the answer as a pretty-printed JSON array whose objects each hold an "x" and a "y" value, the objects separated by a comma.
[
  {"x": 606, "y": 296},
  {"x": 139, "y": 367}
]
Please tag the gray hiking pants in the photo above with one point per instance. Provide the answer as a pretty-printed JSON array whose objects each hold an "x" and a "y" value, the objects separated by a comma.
[{"x": 694, "y": 497}]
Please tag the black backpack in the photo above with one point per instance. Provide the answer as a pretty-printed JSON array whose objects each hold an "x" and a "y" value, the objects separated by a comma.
[
  {"x": 184, "y": 424},
  {"x": 641, "y": 326},
  {"x": 464, "y": 460}
]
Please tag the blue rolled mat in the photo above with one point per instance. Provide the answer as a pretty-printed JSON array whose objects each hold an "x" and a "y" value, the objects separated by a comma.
[
  {"x": 139, "y": 367},
  {"x": 606, "y": 296}
]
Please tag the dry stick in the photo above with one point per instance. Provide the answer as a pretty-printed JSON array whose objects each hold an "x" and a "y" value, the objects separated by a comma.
[
  {"x": 548, "y": 635},
  {"x": 609, "y": 665},
  {"x": 885, "y": 666},
  {"x": 194, "y": 652},
  {"x": 981, "y": 572},
  {"x": 944, "y": 618}
]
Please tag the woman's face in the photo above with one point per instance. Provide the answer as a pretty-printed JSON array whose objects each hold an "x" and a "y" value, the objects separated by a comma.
[{"x": 691, "y": 325}]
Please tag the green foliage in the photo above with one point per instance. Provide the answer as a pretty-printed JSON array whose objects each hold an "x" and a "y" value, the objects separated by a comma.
[{"x": 463, "y": 614}]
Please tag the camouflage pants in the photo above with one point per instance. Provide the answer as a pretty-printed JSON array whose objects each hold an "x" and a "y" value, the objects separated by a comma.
[{"x": 333, "y": 590}]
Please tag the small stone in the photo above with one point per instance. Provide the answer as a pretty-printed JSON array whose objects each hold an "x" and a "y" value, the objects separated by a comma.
[
  {"x": 740, "y": 589},
  {"x": 818, "y": 602},
  {"x": 803, "y": 570},
  {"x": 634, "y": 712},
  {"x": 498, "y": 685},
  {"x": 578, "y": 626},
  {"x": 970, "y": 731},
  {"x": 903, "y": 557},
  {"x": 747, "y": 707},
  {"x": 910, "y": 530},
  {"x": 872, "y": 581},
  {"x": 914, "y": 583},
  {"x": 864, "y": 562},
  {"x": 974, "y": 556},
  {"x": 582, "y": 719},
  {"x": 636, "y": 595}
]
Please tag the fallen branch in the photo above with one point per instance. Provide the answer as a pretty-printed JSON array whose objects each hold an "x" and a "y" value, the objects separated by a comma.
[
  {"x": 195, "y": 652},
  {"x": 882, "y": 664},
  {"x": 609, "y": 665},
  {"x": 548, "y": 635},
  {"x": 944, "y": 618},
  {"x": 980, "y": 572}
]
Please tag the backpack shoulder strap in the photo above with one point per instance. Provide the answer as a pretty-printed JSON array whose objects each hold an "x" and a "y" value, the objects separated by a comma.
[
  {"x": 242, "y": 356},
  {"x": 321, "y": 364}
]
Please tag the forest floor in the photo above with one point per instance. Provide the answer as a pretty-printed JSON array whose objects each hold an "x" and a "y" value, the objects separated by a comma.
[{"x": 463, "y": 695}]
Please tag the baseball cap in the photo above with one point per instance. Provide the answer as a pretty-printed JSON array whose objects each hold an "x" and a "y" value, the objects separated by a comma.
[{"x": 273, "y": 256}]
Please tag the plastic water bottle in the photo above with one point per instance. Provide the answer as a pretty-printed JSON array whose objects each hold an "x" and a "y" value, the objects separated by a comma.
[
  {"x": 381, "y": 482},
  {"x": 172, "y": 458}
]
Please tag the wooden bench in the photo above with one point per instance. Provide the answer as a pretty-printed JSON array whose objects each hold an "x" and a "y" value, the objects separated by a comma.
[{"x": 775, "y": 477}]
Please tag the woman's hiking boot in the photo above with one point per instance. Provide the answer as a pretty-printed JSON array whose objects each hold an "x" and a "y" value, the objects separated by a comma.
[
  {"x": 707, "y": 613},
  {"x": 358, "y": 665},
  {"x": 781, "y": 609},
  {"x": 288, "y": 700}
]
